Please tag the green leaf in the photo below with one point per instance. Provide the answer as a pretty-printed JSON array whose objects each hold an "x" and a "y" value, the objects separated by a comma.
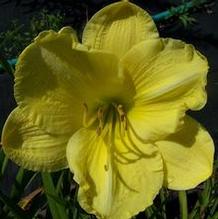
[
  {"x": 59, "y": 185},
  {"x": 22, "y": 181},
  {"x": 16, "y": 188},
  {"x": 3, "y": 163},
  {"x": 163, "y": 199},
  {"x": 57, "y": 210}
]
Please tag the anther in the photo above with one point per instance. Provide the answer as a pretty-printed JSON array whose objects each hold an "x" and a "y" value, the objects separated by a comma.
[
  {"x": 122, "y": 114},
  {"x": 106, "y": 167},
  {"x": 87, "y": 122},
  {"x": 98, "y": 130},
  {"x": 100, "y": 116},
  {"x": 120, "y": 110}
]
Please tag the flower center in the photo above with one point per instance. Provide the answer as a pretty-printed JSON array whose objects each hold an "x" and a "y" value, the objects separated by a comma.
[
  {"x": 105, "y": 114},
  {"x": 123, "y": 143}
]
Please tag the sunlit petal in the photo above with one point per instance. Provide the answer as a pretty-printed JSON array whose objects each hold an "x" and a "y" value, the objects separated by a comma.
[
  {"x": 169, "y": 78},
  {"x": 188, "y": 156},
  {"x": 117, "y": 27},
  {"x": 109, "y": 187},
  {"x": 167, "y": 70}
]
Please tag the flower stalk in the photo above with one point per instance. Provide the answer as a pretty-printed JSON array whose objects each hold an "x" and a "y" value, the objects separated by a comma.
[{"x": 183, "y": 205}]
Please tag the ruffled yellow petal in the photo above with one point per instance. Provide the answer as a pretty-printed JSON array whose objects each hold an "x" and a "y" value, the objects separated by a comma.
[
  {"x": 187, "y": 156},
  {"x": 54, "y": 80},
  {"x": 110, "y": 188},
  {"x": 30, "y": 147},
  {"x": 117, "y": 27},
  {"x": 42, "y": 81},
  {"x": 69, "y": 31},
  {"x": 167, "y": 70},
  {"x": 169, "y": 78}
]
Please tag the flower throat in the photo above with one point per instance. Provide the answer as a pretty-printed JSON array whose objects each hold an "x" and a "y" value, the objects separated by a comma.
[{"x": 105, "y": 114}]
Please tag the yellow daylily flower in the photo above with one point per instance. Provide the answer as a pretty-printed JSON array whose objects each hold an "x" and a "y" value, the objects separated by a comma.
[{"x": 113, "y": 110}]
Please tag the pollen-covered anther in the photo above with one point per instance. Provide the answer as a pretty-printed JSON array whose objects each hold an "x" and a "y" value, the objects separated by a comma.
[
  {"x": 100, "y": 117},
  {"x": 106, "y": 167},
  {"x": 86, "y": 120},
  {"x": 122, "y": 115}
]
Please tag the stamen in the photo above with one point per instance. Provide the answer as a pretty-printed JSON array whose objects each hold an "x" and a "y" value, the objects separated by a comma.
[
  {"x": 87, "y": 121},
  {"x": 121, "y": 111},
  {"x": 98, "y": 131},
  {"x": 122, "y": 115},
  {"x": 100, "y": 116},
  {"x": 135, "y": 133},
  {"x": 125, "y": 128},
  {"x": 106, "y": 167},
  {"x": 133, "y": 149}
]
